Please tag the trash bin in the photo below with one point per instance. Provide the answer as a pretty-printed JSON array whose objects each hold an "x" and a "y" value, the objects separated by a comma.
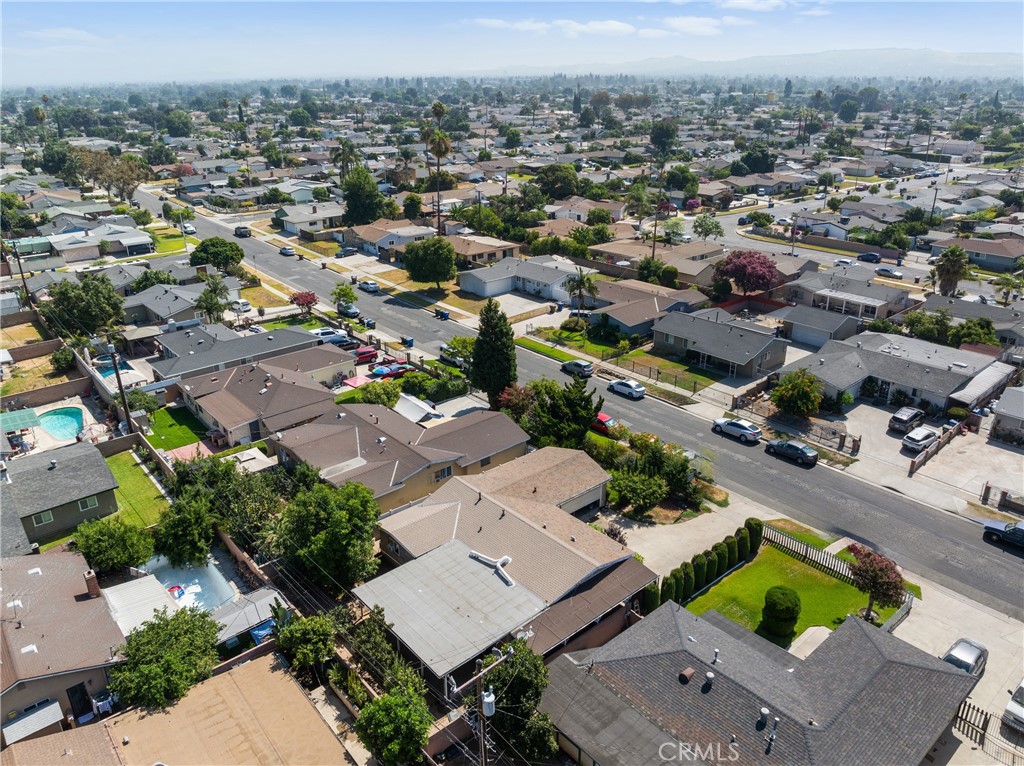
[
  {"x": 917, "y": 280},
  {"x": 560, "y": 306},
  {"x": 370, "y": 324},
  {"x": 407, "y": 342},
  {"x": 443, "y": 314},
  {"x": 354, "y": 279}
]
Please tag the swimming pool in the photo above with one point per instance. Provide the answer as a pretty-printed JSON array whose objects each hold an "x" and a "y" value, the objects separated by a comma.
[
  {"x": 203, "y": 586},
  {"x": 63, "y": 423},
  {"x": 108, "y": 370}
]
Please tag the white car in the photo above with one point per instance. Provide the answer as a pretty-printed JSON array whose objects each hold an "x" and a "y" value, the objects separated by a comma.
[
  {"x": 628, "y": 388},
  {"x": 920, "y": 439},
  {"x": 241, "y": 306},
  {"x": 1014, "y": 713},
  {"x": 784, "y": 222},
  {"x": 820, "y": 195},
  {"x": 369, "y": 286},
  {"x": 188, "y": 228},
  {"x": 743, "y": 430},
  {"x": 844, "y": 262}
]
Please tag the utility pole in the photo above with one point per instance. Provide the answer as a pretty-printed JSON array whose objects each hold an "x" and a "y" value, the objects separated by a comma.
[
  {"x": 120, "y": 386},
  {"x": 24, "y": 283},
  {"x": 484, "y": 699}
]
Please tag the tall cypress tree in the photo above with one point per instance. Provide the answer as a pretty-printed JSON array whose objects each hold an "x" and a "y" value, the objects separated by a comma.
[{"x": 494, "y": 353}]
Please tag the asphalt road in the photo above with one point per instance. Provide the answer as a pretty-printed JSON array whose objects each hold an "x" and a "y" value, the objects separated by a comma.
[{"x": 945, "y": 548}]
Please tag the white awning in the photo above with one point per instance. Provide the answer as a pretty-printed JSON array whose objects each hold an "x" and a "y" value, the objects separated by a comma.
[
  {"x": 984, "y": 383},
  {"x": 27, "y": 724}
]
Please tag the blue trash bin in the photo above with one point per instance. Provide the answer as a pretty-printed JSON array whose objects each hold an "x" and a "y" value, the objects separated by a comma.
[
  {"x": 443, "y": 314},
  {"x": 560, "y": 306},
  {"x": 407, "y": 342}
]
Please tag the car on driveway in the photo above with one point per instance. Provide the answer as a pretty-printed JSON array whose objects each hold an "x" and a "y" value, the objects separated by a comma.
[
  {"x": 1008, "y": 531},
  {"x": 784, "y": 222},
  {"x": 870, "y": 257},
  {"x": 743, "y": 430},
  {"x": 240, "y": 306},
  {"x": 386, "y": 371},
  {"x": 792, "y": 449},
  {"x": 603, "y": 423},
  {"x": 369, "y": 286},
  {"x": 932, "y": 260},
  {"x": 1014, "y": 713},
  {"x": 967, "y": 655},
  {"x": 287, "y": 251},
  {"x": 628, "y": 388},
  {"x": 338, "y": 338},
  {"x": 345, "y": 251},
  {"x": 920, "y": 439},
  {"x": 888, "y": 273},
  {"x": 448, "y": 356},
  {"x": 578, "y": 367}
]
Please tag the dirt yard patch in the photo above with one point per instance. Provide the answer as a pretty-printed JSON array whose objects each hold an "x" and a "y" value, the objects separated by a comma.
[
  {"x": 31, "y": 374},
  {"x": 12, "y": 336}
]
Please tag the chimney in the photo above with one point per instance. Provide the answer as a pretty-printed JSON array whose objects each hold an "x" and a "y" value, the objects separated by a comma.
[{"x": 92, "y": 584}]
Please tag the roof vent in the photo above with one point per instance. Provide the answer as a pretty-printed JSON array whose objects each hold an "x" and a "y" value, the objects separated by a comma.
[
  {"x": 686, "y": 675},
  {"x": 30, "y": 649},
  {"x": 270, "y": 337},
  {"x": 53, "y": 464},
  {"x": 765, "y": 712},
  {"x": 821, "y": 361},
  {"x": 709, "y": 678}
]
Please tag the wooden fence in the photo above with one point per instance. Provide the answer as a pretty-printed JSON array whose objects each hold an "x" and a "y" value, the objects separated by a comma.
[
  {"x": 926, "y": 455},
  {"x": 986, "y": 731},
  {"x": 815, "y": 557}
]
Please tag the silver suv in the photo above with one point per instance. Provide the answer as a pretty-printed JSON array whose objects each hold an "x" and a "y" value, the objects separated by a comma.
[
  {"x": 578, "y": 367},
  {"x": 906, "y": 419}
]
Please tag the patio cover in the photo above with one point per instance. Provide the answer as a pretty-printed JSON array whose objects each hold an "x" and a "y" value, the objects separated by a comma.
[
  {"x": 131, "y": 332},
  {"x": 17, "y": 420},
  {"x": 984, "y": 383},
  {"x": 29, "y": 723}
]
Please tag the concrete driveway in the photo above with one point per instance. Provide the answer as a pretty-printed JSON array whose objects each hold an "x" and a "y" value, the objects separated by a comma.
[{"x": 969, "y": 461}]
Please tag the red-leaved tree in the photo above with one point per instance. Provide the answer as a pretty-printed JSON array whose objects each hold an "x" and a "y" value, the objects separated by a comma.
[
  {"x": 304, "y": 300},
  {"x": 750, "y": 270},
  {"x": 877, "y": 576}
]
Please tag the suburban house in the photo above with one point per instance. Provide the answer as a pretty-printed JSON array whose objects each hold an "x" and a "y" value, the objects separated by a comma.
[
  {"x": 383, "y": 235},
  {"x": 716, "y": 340},
  {"x": 296, "y": 219},
  {"x": 122, "y": 241},
  {"x": 486, "y": 566},
  {"x": 676, "y": 682},
  {"x": 59, "y": 641},
  {"x": 543, "y": 277},
  {"x": 45, "y": 494},
  {"x": 695, "y": 261},
  {"x": 398, "y": 459},
  {"x": 250, "y": 402},
  {"x": 830, "y": 225},
  {"x": 632, "y": 306},
  {"x": 815, "y": 327},
  {"x": 772, "y": 183},
  {"x": 858, "y": 296},
  {"x": 478, "y": 250},
  {"x": 941, "y": 376},
  {"x": 1008, "y": 422},
  {"x": 301, "y": 190},
  {"x": 200, "y": 349},
  {"x": 1008, "y": 321},
  {"x": 577, "y": 208},
  {"x": 160, "y": 304},
  {"x": 991, "y": 254},
  {"x": 270, "y": 719}
]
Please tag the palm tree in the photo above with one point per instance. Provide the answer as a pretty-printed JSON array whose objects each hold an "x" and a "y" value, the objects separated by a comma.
[
  {"x": 931, "y": 279},
  {"x": 346, "y": 156},
  {"x": 458, "y": 212},
  {"x": 1006, "y": 284},
  {"x": 406, "y": 154},
  {"x": 213, "y": 300},
  {"x": 438, "y": 111},
  {"x": 440, "y": 146},
  {"x": 581, "y": 284},
  {"x": 953, "y": 265}
]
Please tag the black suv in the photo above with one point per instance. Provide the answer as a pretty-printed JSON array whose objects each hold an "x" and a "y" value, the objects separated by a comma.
[
  {"x": 243, "y": 231},
  {"x": 870, "y": 257}
]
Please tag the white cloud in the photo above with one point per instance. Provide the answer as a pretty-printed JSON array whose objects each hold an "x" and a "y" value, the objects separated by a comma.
[
  {"x": 818, "y": 11},
  {"x": 605, "y": 28},
  {"x": 737, "y": 21},
  {"x": 699, "y": 26},
  {"x": 754, "y": 5},
  {"x": 653, "y": 34},
  {"x": 63, "y": 35},
  {"x": 526, "y": 25}
]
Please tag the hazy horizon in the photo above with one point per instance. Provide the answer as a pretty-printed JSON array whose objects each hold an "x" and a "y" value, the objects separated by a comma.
[{"x": 89, "y": 43}]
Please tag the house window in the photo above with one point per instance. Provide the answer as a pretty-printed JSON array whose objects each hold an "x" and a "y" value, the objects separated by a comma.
[
  {"x": 42, "y": 518},
  {"x": 444, "y": 473},
  {"x": 484, "y": 462},
  {"x": 88, "y": 503}
]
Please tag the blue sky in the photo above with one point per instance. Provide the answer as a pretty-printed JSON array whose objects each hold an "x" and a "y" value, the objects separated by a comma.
[{"x": 48, "y": 43}]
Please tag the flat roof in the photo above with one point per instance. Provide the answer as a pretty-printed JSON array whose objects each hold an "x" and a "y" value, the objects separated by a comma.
[
  {"x": 134, "y": 602},
  {"x": 851, "y": 297}
]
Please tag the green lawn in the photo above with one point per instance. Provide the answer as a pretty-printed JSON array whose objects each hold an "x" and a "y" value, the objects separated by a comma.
[
  {"x": 169, "y": 241},
  {"x": 139, "y": 501},
  {"x": 544, "y": 349},
  {"x": 802, "y": 533},
  {"x": 352, "y": 396},
  {"x": 670, "y": 372},
  {"x": 576, "y": 340},
  {"x": 306, "y": 323},
  {"x": 175, "y": 427},
  {"x": 824, "y": 600}
]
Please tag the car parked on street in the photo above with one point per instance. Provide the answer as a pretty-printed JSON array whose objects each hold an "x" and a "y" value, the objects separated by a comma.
[
  {"x": 578, "y": 367},
  {"x": 1008, "y": 531},
  {"x": 603, "y": 423},
  {"x": 743, "y": 220},
  {"x": 888, "y": 272},
  {"x": 243, "y": 231},
  {"x": 820, "y": 195},
  {"x": 348, "y": 310},
  {"x": 188, "y": 228},
  {"x": 920, "y": 439},
  {"x": 967, "y": 655},
  {"x": 792, "y": 449},
  {"x": 287, "y": 251},
  {"x": 743, "y": 430},
  {"x": 628, "y": 388},
  {"x": 844, "y": 262},
  {"x": 369, "y": 286},
  {"x": 870, "y": 257}
]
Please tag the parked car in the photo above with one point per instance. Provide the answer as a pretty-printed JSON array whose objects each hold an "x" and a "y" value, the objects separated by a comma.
[
  {"x": 448, "y": 356},
  {"x": 188, "y": 228},
  {"x": 365, "y": 355},
  {"x": 369, "y": 286},
  {"x": 794, "y": 450},
  {"x": 743, "y": 220},
  {"x": 1014, "y": 713},
  {"x": 136, "y": 203},
  {"x": 391, "y": 370},
  {"x": 628, "y": 388},
  {"x": 1010, "y": 531},
  {"x": 578, "y": 367},
  {"x": 870, "y": 257},
  {"x": 932, "y": 260},
  {"x": 888, "y": 272},
  {"x": 784, "y": 222},
  {"x": 287, "y": 251},
  {"x": 906, "y": 419},
  {"x": 820, "y": 195},
  {"x": 844, "y": 262},
  {"x": 743, "y": 430},
  {"x": 348, "y": 310},
  {"x": 603, "y": 423},
  {"x": 345, "y": 251},
  {"x": 967, "y": 655},
  {"x": 256, "y": 330},
  {"x": 243, "y": 231},
  {"x": 920, "y": 439},
  {"x": 240, "y": 306},
  {"x": 338, "y": 338}
]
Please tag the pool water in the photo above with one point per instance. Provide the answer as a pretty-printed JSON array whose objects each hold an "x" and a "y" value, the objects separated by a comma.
[
  {"x": 63, "y": 423},
  {"x": 108, "y": 370},
  {"x": 203, "y": 586}
]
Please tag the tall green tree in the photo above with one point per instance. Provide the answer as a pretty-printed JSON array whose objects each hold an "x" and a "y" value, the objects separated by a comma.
[
  {"x": 363, "y": 201},
  {"x": 309, "y": 641},
  {"x": 438, "y": 144},
  {"x": 412, "y": 206},
  {"x": 494, "y": 354},
  {"x": 111, "y": 544},
  {"x": 165, "y": 657},
  {"x": 683, "y": 179},
  {"x": 217, "y": 252},
  {"x": 952, "y": 266},
  {"x": 346, "y": 157},
  {"x": 185, "y": 530},
  {"x": 558, "y": 180},
  {"x": 664, "y": 135},
  {"x": 430, "y": 260},
  {"x": 394, "y": 727},
  {"x": 343, "y": 293},
  {"x": 581, "y": 284},
  {"x": 706, "y": 225},
  {"x": 213, "y": 301},
  {"x": 151, "y": 277},
  {"x": 519, "y": 682},
  {"x": 84, "y": 307},
  {"x": 798, "y": 393},
  {"x": 562, "y": 415}
]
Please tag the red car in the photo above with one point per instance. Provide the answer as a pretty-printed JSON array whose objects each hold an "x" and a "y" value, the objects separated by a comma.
[{"x": 603, "y": 423}]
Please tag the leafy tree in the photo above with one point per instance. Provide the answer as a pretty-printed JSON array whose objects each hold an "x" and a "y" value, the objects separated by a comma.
[
  {"x": 142, "y": 400},
  {"x": 151, "y": 277},
  {"x": 750, "y": 270},
  {"x": 141, "y": 217},
  {"x": 513, "y": 139},
  {"x": 274, "y": 196},
  {"x": 834, "y": 204},
  {"x": 185, "y": 530},
  {"x": 683, "y": 179},
  {"x": 159, "y": 153},
  {"x": 84, "y": 307},
  {"x": 781, "y": 611},
  {"x": 494, "y": 354},
  {"x": 111, "y": 544},
  {"x": 848, "y": 110},
  {"x": 664, "y": 135},
  {"x": 639, "y": 490},
  {"x": 412, "y": 206},
  {"x": 519, "y": 682},
  {"x": 758, "y": 159},
  {"x": 178, "y": 123},
  {"x": 558, "y": 181},
  {"x": 979, "y": 330},
  {"x": 332, "y": 529},
  {"x": 884, "y": 325},
  {"x": 62, "y": 359},
  {"x": 798, "y": 393},
  {"x": 952, "y": 266},
  {"x": 581, "y": 284},
  {"x": 308, "y": 641},
  {"x": 299, "y": 117},
  {"x": 305, "y": 300},
  {"x": 217, "y": 252},
  {"x": 394, "y": 727},
  {"x": 343, "y": 293},
  {"x": 430, "y": 260},
  {"x": 758, "y": 218},
  {"x": 384, "y": 392},
  {"x": 929, "y": 326},
  {"x": 598, "y": 215},
  {"x": 363, "y": 201},
  {"x": 562, "y": 415},
  {"x": 165, "y": 657},
  {"x": 1007, "y": 284},
  {"x": 877, "y": 576},
  {"x": 706, "y": 225},
  {"x": 321, "y": 194}
]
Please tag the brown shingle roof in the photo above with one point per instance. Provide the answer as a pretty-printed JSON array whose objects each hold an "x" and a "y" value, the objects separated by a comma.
[{"x": 550, "y": 475}]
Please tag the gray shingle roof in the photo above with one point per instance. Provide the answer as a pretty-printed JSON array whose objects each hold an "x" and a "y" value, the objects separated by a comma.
[
  {"x": 35, "y": 486},
  {"x": 873, "y": 699},
  {"x": 819, "y": 319},
  {"x": 736, "y": 341},
  {"x": 232, "y": 351}
]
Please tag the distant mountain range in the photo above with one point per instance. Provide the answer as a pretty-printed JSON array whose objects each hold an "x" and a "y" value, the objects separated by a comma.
[{"x": 884, "y": 62}]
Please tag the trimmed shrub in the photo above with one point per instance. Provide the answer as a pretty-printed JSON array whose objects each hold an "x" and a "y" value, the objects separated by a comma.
[
  {"x": 668, "y": 589},
  {"x": 687, "y": 580},
  {"x": 574, "y": 324},
  {"x": 652, "y": 598},
  {"x": 781, "y": 611},
  {"x": 732, "y": 548},
  {"x": 700, "y": 568},
  {"x": 678, "y": 584},
  {"x": 62, "y": 359},
  {"x": 956, "y": 413},
  {"x": 743, "y": 543},
  {"x": 756, "y": 529},
  {"x": 711, "y": 557},
  {"x": 723, "y": 558}
]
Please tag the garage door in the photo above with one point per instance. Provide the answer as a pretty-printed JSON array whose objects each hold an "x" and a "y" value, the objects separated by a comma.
[{"x": 809, "y": 336}]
